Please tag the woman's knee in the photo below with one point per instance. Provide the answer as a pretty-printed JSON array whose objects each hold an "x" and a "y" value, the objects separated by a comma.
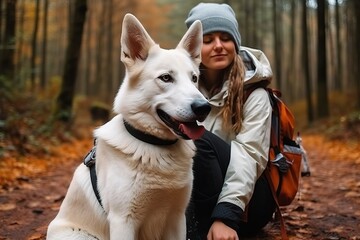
[
  {"x": 212, "y": 148},
  {"x": 260, "y": 210}
]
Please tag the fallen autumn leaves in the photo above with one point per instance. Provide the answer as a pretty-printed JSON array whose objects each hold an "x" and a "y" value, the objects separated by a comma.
[{"x": 327, "y": 206}]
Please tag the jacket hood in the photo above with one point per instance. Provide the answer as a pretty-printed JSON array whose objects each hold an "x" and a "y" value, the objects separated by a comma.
[{"x": 257, "y": 65}]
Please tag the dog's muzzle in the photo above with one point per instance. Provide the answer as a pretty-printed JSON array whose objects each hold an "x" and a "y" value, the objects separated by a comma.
[{"x": 188, "y": 129}]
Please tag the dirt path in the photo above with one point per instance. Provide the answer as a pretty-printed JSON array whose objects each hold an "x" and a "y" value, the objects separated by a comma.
[
  {"x": 28, "y": 208},
  {"x": 28, "y": 204},
  {"x": 328, "y": 205}
]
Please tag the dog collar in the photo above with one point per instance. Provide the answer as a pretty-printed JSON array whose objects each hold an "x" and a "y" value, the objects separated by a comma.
[{"x": 151, "y": 139}]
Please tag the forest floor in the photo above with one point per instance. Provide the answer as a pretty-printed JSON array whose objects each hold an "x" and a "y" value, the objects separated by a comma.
[{"x": 33, "y": 186}]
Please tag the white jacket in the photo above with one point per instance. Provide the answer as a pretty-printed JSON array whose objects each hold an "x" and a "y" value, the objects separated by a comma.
[{"x": 249, "y": 148}]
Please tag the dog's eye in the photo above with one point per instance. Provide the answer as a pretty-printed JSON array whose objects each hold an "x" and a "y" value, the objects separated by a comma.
[
  {"x": 194, "y": 78},
  {"x": 166, "y": 77}
]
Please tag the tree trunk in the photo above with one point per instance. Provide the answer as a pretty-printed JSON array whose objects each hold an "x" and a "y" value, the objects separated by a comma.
[
  {"x": 43, "y": 59},
  {"x": 1, "y": 16},
  {"x": 305, "y": 58},
  {"x": 19, "y": 49},
  {"x": 254, "y": 25},
  {"x": 338, "y": 77},
  {"x": 349, "y": 74},
  {"x": 291, "y": 77},
  {"x": 44, "y": 47},
  {"x": 109, "y": 52},
  {"x": 277, "y": 45},
  {"x": 98, "y": 84},
  {"x": 322, "y": 91},
  {"x": 34, "y": 46},
  {"x": 65, "y": 99},
  {"x": 247, "y": 22},
  {"x": 7, "y": 53},
  {"x": 357, "y": 50},
  {"x": 88, "y": 55},
  {"x": 262, "y": 27}
]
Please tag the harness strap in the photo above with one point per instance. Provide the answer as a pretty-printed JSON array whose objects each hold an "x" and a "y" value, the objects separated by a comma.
[
  {"x": 89, "y": 161},
  {"x": 94, "y": 184}
]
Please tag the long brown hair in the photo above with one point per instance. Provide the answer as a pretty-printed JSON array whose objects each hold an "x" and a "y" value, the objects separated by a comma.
[{"x": 232, "y": 111}]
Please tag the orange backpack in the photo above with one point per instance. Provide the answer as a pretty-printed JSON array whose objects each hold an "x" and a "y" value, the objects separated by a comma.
[
  {"x": 284, "y": 165},
  {"x": 285, "y": 154}
]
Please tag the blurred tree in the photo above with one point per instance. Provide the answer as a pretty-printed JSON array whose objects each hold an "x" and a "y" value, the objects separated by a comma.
[
  {"x": 305, "y": 62},
  {"x": 290, "y": 78},
  {"x": 322, "y": 89},
  {"x": 277, "y": 42},
  {"x": 246, "y": 30},
  {"x": 350, "y": 73},
  {"x": 109, "y": 53},
  {"x": 97, "y": 89},
  {"x": 254, "y": 24},
  {"x": 87, "y": 53},
  {"x": 357, "y": 50},
  {"x": 7, "y": 49},
  {"x": 44, "y": 45},
  {"x": 34, "y": 46},
  {"x": 19, "y": 48},
  {"x": 261, "y": 26},
  {"x": 338, "y": 77},
  {"x": 1, "y": 16},
  {"x": 64, "y": 102}
]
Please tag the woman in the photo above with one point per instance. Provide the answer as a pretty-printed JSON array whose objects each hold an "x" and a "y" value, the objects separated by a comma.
[{"x": 230, "y": 196}]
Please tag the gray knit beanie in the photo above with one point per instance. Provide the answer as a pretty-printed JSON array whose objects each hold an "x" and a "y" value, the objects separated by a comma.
[{"x": 216, "y": 18}]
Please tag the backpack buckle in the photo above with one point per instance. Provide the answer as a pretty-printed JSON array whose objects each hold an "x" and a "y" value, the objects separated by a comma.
[{"x": 282, "y": 163}]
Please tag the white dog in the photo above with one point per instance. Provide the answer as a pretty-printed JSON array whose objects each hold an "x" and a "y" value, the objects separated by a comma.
[{"x": 143, "y": 155}]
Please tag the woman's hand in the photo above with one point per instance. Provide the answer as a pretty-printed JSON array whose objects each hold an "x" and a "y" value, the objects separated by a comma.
[{"x": 220, "y": 231}]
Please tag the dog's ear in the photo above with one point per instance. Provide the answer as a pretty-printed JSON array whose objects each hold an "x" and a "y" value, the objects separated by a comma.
[
  {"x": 192, "y": 41},
  {"x": 135, "y": 41}
]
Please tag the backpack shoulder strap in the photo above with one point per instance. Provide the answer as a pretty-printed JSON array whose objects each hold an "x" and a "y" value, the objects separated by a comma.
[
  {"x": 275, "y": 118},
  {"x": 249, "y": 88}
]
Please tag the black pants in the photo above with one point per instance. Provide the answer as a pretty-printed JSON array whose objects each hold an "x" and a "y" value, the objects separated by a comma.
[{"x": 210, "y": 165}]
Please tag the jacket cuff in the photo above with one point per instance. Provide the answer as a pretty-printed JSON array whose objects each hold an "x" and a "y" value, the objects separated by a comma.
[{"x": 228, "y": 213}]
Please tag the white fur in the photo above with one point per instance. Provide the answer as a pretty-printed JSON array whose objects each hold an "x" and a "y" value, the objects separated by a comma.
[{"x": 144, "y": 188}]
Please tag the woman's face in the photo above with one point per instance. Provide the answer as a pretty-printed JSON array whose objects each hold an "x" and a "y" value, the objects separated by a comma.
[{"x": 218, "y": 50}]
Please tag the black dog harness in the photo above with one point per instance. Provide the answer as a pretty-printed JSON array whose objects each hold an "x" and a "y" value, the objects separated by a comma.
[
  {"x": 90, "y": 158},
  {"x": 89, "y": 161}
]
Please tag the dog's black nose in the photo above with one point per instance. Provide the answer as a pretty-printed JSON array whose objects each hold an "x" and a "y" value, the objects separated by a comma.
[{"x": 201, "y": 108}]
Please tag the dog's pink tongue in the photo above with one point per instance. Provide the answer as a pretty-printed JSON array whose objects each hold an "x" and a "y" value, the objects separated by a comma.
[{"x": 192, "y": 130}]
